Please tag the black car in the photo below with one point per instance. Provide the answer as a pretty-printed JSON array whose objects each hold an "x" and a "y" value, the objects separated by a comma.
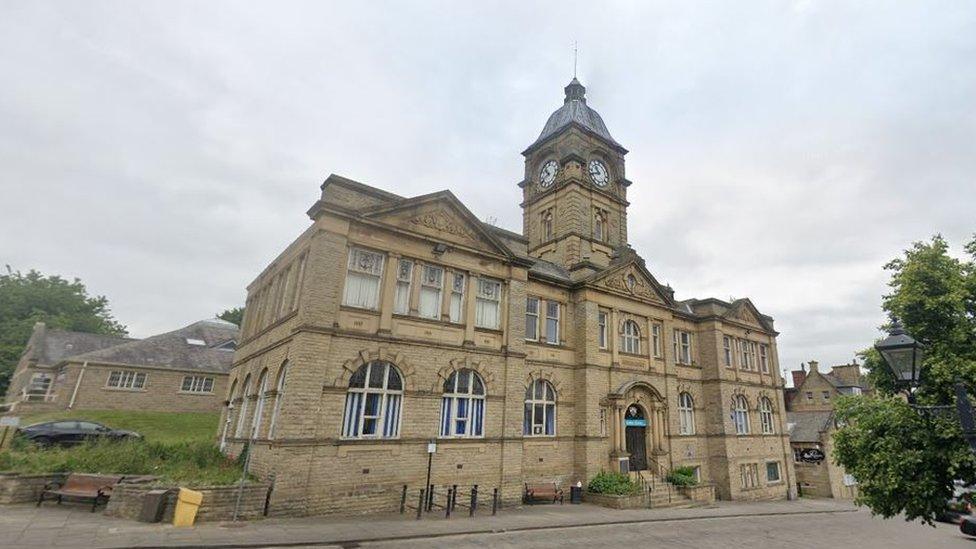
[{"x": 68, "y": 432}]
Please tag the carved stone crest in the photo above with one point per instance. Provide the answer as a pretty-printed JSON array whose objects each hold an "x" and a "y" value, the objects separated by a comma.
[
  {"x": 440, "y": 221},
  {"x": 630, "y": 283}
]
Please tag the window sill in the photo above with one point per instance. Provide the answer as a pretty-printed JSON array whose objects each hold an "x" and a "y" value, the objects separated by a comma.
[
  {"x": 427, "y": 320},
  {"x": 124, "y": 390},
  {"x": 497, "y": 331},
  {"x": 196, "y": 393}
]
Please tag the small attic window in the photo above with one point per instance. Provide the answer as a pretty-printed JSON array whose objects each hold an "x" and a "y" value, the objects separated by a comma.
[{"x": 200, "y": 342}]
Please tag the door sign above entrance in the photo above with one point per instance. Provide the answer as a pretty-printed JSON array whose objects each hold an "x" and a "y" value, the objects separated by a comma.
[{"x": 635, "y": 422}]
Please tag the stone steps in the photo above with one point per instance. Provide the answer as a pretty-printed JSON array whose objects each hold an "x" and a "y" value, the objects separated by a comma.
[{"x": 661, "y": 493}]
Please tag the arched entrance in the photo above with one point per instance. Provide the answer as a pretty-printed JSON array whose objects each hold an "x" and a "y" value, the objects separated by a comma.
[{"x": 635, "y": 423}]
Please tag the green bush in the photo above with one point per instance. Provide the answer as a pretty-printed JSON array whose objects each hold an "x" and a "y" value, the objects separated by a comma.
[
  {"x": 615, "y": 484},
  {"x": 682, "y": 476},
  {"x": 197, "y": 462}
]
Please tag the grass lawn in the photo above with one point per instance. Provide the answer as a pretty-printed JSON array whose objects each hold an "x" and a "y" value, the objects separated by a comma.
[
  {"x": 167, "y": 427},
  {"x": 179, "y": 448}
]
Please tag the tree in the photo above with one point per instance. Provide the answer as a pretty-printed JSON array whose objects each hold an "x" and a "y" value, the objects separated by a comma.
[
  {"x": 235, "y": 315},
  {"x": 29, "y": 298},
  {"x": 905, "y": 462}
]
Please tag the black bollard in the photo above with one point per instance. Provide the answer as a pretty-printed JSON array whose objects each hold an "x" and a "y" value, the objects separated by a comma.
[
  {"x": 403, "y": 500},
  {"x": 474, "y": 500},
  {"x": 420, "y": 503},
  {"x": 494, "y": 502},
  {"x": 447, "y": 504}
]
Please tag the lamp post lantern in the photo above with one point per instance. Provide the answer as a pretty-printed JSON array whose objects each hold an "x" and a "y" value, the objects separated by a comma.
[{"x": 903, "y": 356}]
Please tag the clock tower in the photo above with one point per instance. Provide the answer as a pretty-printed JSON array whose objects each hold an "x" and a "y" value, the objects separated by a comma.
[{"x": 574, "y": 190}]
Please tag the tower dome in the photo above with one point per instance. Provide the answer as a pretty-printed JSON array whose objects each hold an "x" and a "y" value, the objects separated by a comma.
[{"x": 575, "y": 112}]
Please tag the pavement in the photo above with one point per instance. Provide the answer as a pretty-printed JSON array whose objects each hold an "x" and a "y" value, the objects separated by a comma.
[{"x": 26, "y": 526}]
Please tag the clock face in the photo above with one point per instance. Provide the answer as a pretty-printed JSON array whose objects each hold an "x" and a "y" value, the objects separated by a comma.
[
  {"x": 598, "y": 173},
  {"x": 548, "y": 173}
]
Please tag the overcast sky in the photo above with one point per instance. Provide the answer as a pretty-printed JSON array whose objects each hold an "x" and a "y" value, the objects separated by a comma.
[{"x": 165, "y": 152}]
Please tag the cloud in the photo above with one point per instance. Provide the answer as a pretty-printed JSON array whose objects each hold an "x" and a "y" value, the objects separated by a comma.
[{"x": 164, "y": 152}]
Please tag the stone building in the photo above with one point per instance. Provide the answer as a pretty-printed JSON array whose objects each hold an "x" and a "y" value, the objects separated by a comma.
[
  {"x": 811, "y": 424},
  {"x": 180, "y": 371},
  {"x": 546, "y": 355}
]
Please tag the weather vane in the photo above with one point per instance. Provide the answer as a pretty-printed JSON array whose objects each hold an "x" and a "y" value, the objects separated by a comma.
[{"x": 575, "y": 57}]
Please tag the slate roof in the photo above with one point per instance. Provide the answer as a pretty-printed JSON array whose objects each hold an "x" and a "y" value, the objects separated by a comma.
[
  {"x": 575, "y": 111},
  {"x": 807, "y": 426},
  {"x": 59, "y": 344},
  {"x": 174, "y": 351}
]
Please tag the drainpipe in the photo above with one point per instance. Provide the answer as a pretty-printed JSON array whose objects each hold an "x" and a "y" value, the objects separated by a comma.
[{"x": 74, "y": 393}]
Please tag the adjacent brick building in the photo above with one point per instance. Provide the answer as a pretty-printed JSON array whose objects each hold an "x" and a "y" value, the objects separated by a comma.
[
  {"x": 180, "y": 371},
  {"x": 546, "y": 355}
]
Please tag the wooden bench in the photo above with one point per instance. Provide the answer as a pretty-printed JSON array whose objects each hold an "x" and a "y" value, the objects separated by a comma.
[
  {"x": 97, "y": 488},
  {"x": 546, "y": 492}
]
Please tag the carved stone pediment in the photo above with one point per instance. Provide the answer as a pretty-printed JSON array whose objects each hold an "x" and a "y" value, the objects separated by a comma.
[
  {"x": 632, "y": 281},
  {"x": 441, "y": 220}
]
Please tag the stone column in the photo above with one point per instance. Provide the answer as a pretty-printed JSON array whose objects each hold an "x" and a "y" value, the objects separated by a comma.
[
  {"x": 388, "y": 293},
  {"x": 661, "y": 422}
]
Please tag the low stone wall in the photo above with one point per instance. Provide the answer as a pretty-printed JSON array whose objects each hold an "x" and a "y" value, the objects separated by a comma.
[
  {"x": 218, "y": 502},
  {"x": 701, "y": 493},
  {"x": 635, "y": 501},
  {"x": 18, "y": 488}
]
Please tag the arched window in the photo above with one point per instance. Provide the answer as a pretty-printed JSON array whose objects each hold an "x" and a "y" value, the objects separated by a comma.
[
  {"x": 228, "y": 418},
  {"x": 242, "y": 413},
  {"x": 630, "y": 338},
  {"x": 741, "y": 415},
  {"x": 686, "y": 414},
  {"x": 766, "y": 415},
  {"x": 547, "y": 225},
  {"x": 463, "y": 405},
  {"x": 373, "y": 402},
  {"x": 599, "y": 226},
  {"x": 262, "y": 394},
  {"x": 278, "y": 398},
  {"x": 540, "y": 409}
]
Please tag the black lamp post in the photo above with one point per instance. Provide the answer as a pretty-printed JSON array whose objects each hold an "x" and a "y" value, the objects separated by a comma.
[{"x": 903, "y": 355}]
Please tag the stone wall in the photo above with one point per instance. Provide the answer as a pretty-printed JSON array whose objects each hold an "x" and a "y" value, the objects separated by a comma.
[
  {"x": 701, "y": 493},
  {"x": 18, "y": 488},
  {"x": 635, "y": 501},
  {"x": 218, "y": 502}
]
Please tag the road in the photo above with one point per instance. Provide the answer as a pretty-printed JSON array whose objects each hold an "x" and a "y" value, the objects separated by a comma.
[{"x": 816, "y": 531}]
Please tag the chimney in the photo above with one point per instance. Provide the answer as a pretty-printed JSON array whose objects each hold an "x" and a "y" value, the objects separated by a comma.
[{"x": 799, "y": 376}]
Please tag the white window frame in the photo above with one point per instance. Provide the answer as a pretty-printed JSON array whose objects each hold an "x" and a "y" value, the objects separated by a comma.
[
  {"x": 242, "y": 413},
  {"x": 404, "y": 283},
  {"x": 779, "y": 473},
  {"x": 686, "y": 414},
  {"x": 766, "y": 416},
  {"x": 656, "y": 329},
  {"x": 749, "y": 475},
  {"x": 602, "y": 319},
  {"x": 278, "y": 400},
  {"x": 764, "y": 358},
  {"x": 483, "y": 301},
  {"x": 540, "y": 406},
  {"x": 197, "y": 384},
  {"x": 431, "y": 291},
  {"x": 262, "y": 393},
  {"x": 729, "y": 352},
  {"x": 458, "y": 284},
  {"x": 39, "y": 386},
  {"x": 127, "y": 380},
  {"x": 740, "y": 415},
  {"x": 475, "y": 403},
  {"x": 365, "y": 267},
  {"x": 552, "y": 322},
  {"x": 682, "y": 347},
  {"x": 532, "y": 318},
  {"x": 389, "y": 409},
  {"x": 630, "y": 337}
]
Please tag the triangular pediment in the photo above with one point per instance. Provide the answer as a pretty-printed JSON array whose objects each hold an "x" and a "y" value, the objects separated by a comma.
[
  {"x": 440, "y": 216},
  {"x": 745, "y": 312},
  {"x": 634, "y": 280}
]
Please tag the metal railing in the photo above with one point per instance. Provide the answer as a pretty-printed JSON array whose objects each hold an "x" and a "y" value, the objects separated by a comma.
[{"x": 433, "y": 497}]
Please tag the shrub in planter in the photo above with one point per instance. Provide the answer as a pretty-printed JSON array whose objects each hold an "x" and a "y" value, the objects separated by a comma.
[
  {"x": 614, "y": 484},
  {"x": 682, "y": 476}
]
